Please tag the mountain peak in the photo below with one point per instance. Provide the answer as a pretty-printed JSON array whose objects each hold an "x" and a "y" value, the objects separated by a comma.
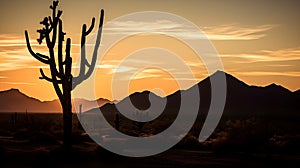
[
  {"x": 14, "y": 89},
  {"x": 276, "y": 87},
  {"x": 145, "y": 92},
  {"x": 273, "y": 85},
  {"x": 230, "y": 80},
  {"x": 227, "y": 75},
  {"x": 219, "y": 72}
]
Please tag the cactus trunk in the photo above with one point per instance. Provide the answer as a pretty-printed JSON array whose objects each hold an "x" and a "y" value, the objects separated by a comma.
[{"x": 67, "y": 119}]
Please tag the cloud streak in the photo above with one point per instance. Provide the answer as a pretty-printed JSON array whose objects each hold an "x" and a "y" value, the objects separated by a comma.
[
  {"x": 236, "y": 32},
  {"x": 258, "y": 73},
  {"x": 219, "y": 32},
  {"x": 283, "y": 62},
  {"x": 18, "y": 83},
  {"x": 131, "y": 70},
  {"x": 289, "y": 54},
  {"x": 14, "y": 53},
  {"x": 12, "y": 40}
]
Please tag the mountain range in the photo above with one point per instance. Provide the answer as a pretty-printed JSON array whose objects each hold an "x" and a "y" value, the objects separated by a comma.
[
  {"x": 241, "y": 99},
  {"x": 13, "y": 100}
]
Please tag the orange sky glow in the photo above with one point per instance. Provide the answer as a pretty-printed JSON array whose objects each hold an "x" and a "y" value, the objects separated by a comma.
[{"x": 257, "y": 41}]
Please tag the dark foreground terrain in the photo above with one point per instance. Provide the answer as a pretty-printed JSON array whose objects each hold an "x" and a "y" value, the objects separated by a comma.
[
  {"x": 34, "y": 140},
  {"x": 41, "y": 157}
]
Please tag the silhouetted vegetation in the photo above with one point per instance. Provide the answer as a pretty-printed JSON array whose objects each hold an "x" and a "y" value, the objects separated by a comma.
[
  {"x": 251, "y": 137},
  {"x": 61, "y": 78}
]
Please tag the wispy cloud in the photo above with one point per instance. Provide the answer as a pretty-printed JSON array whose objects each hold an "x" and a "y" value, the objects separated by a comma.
[
  {"x": 219, "y": 32},
  {"x": 236, "y": 32},
  {"x": 18, "y": 83},
  {"x": 131, "y": 70},
  {"x": 140, "y": 27},
  {"x": 112, "y": 66},
  {"x": 283, "y": 54},
  {"x": 15, "y": 62},
  {"x": 149, "y": 73},
  {"x": 10, "y": 40},
  {"x": 14, "y": 53},
  {"x": 258, "y": 73},
  {"x": 289, "y": 54},
  {"x": 283, "y": 62},
  {"x": 185, "y": 79},
  {"x": 15, "y": 58}
]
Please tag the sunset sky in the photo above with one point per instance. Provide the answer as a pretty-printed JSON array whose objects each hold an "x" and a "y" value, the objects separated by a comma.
[{"x": 258, "y": 42}]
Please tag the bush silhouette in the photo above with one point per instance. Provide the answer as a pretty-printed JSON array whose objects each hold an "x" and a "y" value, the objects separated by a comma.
[{"x": 242, "y": 136}]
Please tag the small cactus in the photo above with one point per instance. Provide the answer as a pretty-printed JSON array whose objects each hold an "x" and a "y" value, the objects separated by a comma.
[
  {"x": 139, "y": 124},
  {"x": 26, "y": 120},
  {"x": 80, "y": 117},
  {"x": 80, "y": 111},
  {"x": 117, "y": 122},
  {"x": 14, "y": 120}
]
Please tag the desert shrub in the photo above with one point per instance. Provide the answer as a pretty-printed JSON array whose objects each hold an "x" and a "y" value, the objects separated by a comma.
[
  {"x": 285, "y": 143},
  {"x": 103, "y": 154},
  {"x": 44, "y": 138},
  {"x": 43, "y": 124},
  {"x": 80, "y": 137},
  {"x": 190, "y": 142},
  {"x": 241, "y": 136}
]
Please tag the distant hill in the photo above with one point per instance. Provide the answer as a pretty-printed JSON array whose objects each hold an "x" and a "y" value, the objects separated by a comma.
[
  {"x": 14, "y": 100},
  {"x": 241, "y": 99}
]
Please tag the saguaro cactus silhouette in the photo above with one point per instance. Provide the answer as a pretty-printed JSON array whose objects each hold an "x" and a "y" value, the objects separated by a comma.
[{"x": 60, "y": 66}]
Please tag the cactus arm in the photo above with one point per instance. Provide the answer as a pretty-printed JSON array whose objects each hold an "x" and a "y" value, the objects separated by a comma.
[
  {"x": 83, "y": 41},
  {"x": 68, "y": 60},
  {"x": 82, "y": 75},
  {"x": 50, "y": 20},
  {"x": 54, "y": 20},
  {"x": 43, "y": 76},
  {"x": 54, "y": 24},
  {"x": 82, "y": 53},
  {"x": 54, "y": 30},
  {"x": 43, "y": 59},
  {"x": 88, "y": 64},
  {"x": 47, "y": 36},
  {"x": 60, "y": 43},
  {"x": 91, "y": 27},
  {"x": 97, "y": 45},
  {"x": 42, "y": 56}
]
